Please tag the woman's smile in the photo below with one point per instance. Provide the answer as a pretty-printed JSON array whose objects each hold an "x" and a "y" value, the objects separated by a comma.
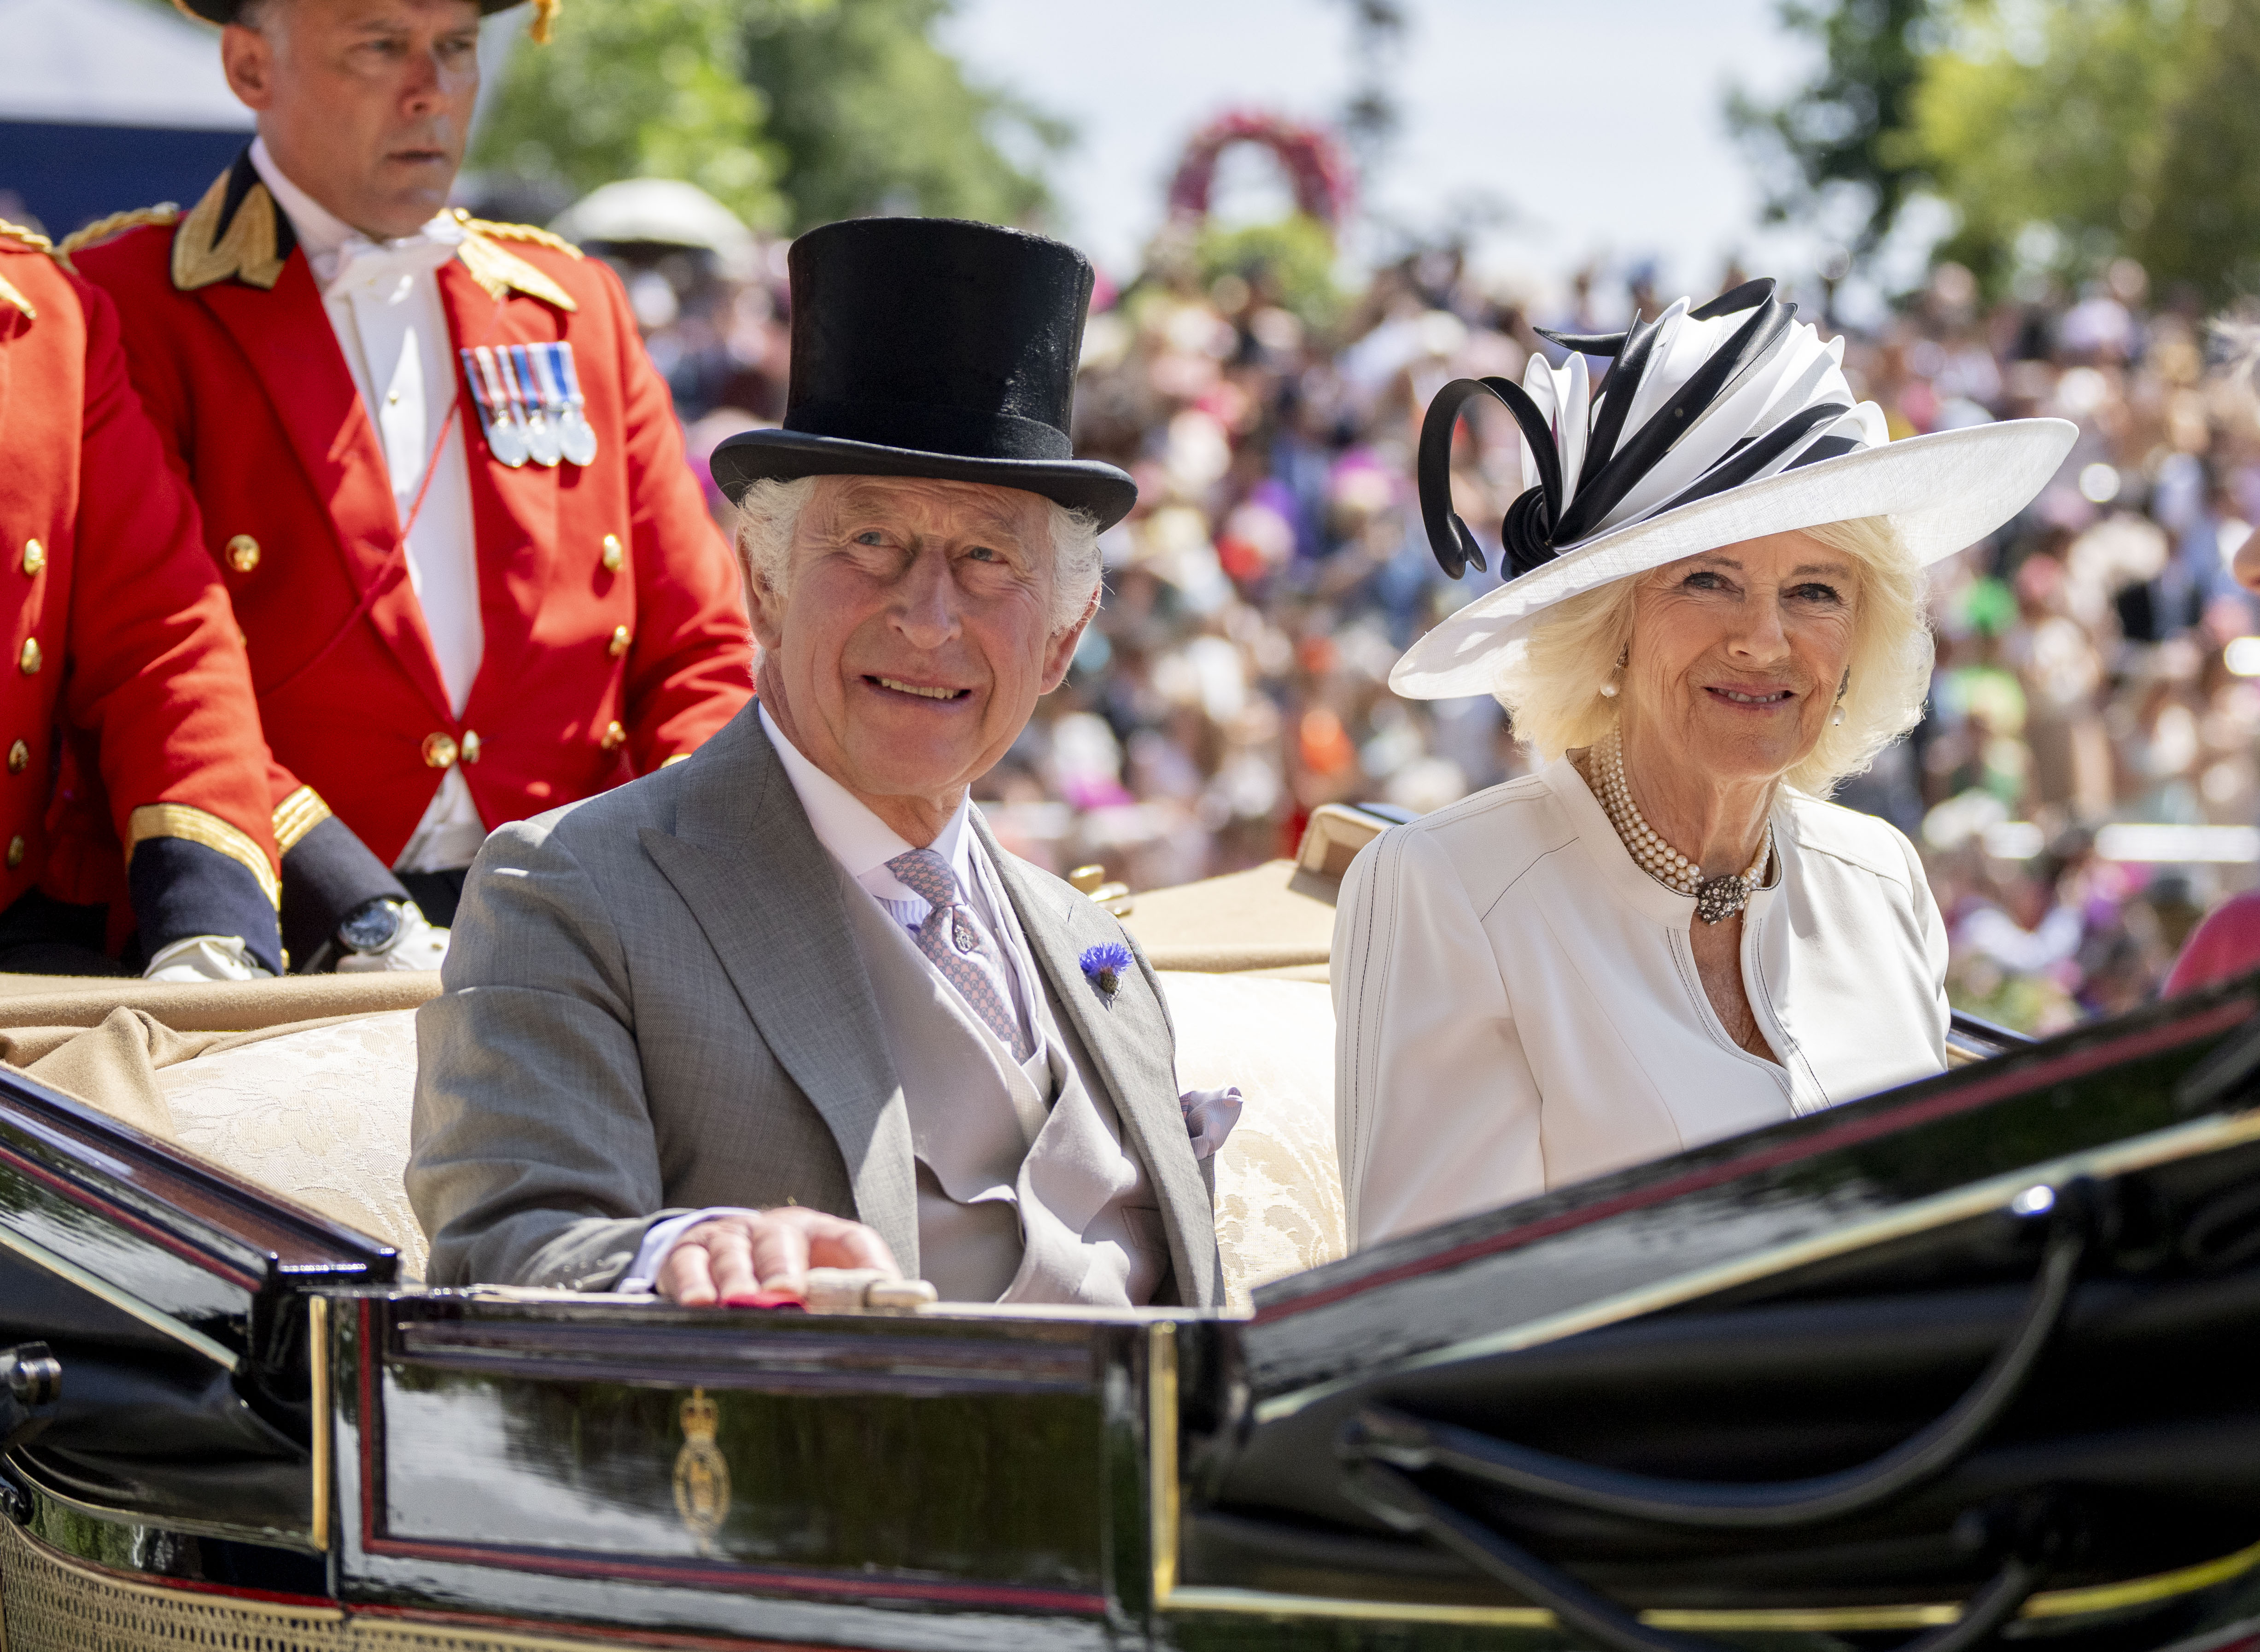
[{"x": 1755, "y": 699}]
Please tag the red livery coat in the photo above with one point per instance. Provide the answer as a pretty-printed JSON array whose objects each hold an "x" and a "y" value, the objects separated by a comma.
[
  {"x": 118, "y": 642},
  {"x": 615, "y": 627}
]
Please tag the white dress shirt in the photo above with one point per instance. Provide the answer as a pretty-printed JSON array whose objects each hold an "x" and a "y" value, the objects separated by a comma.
[
  {"x": 1517, "y": 1005},
  {"x": 863, "y": 844},
  {"x": 383, "y": 301}
]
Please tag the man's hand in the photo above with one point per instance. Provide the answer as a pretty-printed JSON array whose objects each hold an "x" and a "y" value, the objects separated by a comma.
[{"x": 730, "y": 1260}]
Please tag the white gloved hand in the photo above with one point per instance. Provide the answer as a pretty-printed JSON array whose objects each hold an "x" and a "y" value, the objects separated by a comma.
[
  {"x": 420, "y": 945},
  {"x": 205, "y": 958}
]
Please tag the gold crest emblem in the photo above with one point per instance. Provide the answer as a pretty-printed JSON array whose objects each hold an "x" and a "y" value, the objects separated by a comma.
[{"x": 702, "y": 1476}]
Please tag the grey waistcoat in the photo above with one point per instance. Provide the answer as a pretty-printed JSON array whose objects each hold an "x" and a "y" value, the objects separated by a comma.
[{"x": 1025, "y": 1193}]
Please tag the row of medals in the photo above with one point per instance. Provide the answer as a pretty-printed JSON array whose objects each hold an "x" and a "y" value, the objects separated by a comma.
[{"x": 530, "y": 403}]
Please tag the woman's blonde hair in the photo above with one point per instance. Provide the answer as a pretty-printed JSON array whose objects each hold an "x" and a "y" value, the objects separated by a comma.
[{"x": 1551, "y": 686}]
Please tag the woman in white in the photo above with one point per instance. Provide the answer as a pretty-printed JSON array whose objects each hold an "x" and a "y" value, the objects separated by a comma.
[{"x": 1713, "y": 613}]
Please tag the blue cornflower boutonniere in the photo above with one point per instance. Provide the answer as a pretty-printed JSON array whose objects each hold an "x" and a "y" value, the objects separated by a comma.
[{"x": 1103, "y": 966}]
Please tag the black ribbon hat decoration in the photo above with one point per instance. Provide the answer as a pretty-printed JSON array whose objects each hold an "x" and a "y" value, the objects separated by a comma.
[{"x": 1697, "y": 402}]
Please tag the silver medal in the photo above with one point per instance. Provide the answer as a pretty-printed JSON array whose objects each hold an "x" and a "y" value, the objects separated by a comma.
[
  {"x": 540, "y": 434},
  {"x": 578, "y": 435},
  {"x": 505, "y": 437}
]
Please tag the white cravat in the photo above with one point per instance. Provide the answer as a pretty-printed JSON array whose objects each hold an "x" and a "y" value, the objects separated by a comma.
[{"x": 383, "y": 301}]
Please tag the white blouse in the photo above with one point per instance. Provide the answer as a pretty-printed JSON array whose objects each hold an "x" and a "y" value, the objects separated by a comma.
[{"x": 1517, "y": 1006}]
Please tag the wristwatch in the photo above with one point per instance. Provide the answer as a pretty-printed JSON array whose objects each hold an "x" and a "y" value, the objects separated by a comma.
[{"x": 373, "y": 926}]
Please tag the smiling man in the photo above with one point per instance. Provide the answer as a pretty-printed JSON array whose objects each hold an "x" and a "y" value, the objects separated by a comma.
[
  {"x": 789, "y": 1003},
  {"x": 443, "y": 483}
]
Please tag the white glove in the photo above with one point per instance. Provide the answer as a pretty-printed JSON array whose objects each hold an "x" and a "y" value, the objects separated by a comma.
[
  {"x": 205, "y": 958},
  {"x": 420, "y": 945}
]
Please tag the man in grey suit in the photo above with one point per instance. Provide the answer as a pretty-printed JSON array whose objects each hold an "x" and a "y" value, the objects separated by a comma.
[{"x": 788, "y": 1004}]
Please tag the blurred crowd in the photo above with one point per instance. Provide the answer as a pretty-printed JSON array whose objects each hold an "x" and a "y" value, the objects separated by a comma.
[{"x": 2084, "y": 788}]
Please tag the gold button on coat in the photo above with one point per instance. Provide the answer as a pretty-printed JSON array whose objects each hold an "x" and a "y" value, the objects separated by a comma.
[
  {"x": 28, "y": 661},
  {"x": 441, "y": 751},
  {"x": 15, "y": 852},
  {"x": 471, "y": 745},
  {"x": 243, "y": 553},
  {"x": 615, "y": 737},
  {"x": 615, "y": 558},
  {"x": 35, "y": 556},
  {"x": 619, "y": 643},
  {"x": 19, "y": 757}
]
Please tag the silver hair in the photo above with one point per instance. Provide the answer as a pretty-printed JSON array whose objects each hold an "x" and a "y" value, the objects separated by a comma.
[{"x": 768, "y": 517}]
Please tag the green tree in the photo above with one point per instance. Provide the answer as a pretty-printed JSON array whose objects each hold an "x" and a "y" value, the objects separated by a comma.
[
  {"x": 791, "y": 112},
  {"x": 2119, "y": 126},
  {"x": 2195, "y": 217},
  {"x": 869, "y": 116},
  {"x": 1845, "y": 132},
  {"x": 641, "y": 88},
  {"x": 2052, "y": 116}
]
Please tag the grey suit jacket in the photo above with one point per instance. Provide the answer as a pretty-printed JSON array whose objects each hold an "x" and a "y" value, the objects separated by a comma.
[{"x": 653, "y": 1003}]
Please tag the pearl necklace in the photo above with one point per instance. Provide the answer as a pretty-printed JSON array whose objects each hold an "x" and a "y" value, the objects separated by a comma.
[{"x": 1716, "y": 899}]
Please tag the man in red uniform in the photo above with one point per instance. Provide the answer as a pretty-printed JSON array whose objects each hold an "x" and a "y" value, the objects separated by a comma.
[
  {"x": 121, "y": 657},
  {"x": 443, "y": 483}
]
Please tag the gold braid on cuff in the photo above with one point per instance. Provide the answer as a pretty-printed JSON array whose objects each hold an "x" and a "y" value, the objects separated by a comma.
[
  {"x": 180, "y": 820},
  {"x": 296, "y": 816}
]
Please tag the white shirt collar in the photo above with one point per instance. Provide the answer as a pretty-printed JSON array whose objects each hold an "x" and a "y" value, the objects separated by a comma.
[
  {"x": 855, "y": 837},
  {"x": 329, "y": 242}
]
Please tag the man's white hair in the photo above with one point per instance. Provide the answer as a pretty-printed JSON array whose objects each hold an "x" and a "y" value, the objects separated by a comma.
[{"x": 769, "y": 516}]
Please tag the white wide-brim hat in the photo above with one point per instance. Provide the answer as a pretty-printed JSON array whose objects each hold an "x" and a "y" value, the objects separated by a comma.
[{"x": 1739, "y": 425}]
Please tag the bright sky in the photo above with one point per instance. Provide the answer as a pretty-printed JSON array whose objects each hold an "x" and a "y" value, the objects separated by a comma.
[{"x": 1599, "y": 122}]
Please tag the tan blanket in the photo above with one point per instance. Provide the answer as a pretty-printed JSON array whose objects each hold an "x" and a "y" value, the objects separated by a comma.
[{"x": 113, "y": 1065}]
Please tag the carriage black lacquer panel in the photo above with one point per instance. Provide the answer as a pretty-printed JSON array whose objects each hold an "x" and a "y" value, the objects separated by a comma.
[
  {"x": 1791, "y": 1304},
  {"x": 928, "y": 1465},
  {"x": 1533, "y": 1271},
  {"x": 181, "y": 1236},
  {"x": 1784, "y": 1307},
  {"x": 172, "y": 1295}
]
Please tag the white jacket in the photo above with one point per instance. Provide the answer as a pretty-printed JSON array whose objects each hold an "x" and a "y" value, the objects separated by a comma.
[{"x": 1517, "y": 1008}]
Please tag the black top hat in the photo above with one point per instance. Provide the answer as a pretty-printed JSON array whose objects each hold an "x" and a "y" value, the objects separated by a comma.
[
  {"x": 926, "y": 347},
  {"x": 224, "y": 10}
]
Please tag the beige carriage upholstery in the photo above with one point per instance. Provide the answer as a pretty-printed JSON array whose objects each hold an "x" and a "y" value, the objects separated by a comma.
[{"x": 305, "y": 1087}]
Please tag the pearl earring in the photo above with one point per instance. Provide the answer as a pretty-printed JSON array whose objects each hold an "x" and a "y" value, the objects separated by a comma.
[
  {"x": 1608, "y": 690},
  {"x": 1839, "y": 718}
]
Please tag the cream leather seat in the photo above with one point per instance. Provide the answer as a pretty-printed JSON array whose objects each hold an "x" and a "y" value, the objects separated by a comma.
[{"x": 322, "y": 1114}]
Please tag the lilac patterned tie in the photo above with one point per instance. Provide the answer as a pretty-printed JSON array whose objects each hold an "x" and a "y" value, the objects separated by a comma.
[{"x": 949, "y": 939}]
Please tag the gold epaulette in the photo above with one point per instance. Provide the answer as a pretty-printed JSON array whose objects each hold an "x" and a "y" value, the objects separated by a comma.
[
  {"x": 554, "y": 242},
  {"x": 31, "y": 239},
  {"x": 501, "y": 271},
  {"x": 116, "y": 223}
]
